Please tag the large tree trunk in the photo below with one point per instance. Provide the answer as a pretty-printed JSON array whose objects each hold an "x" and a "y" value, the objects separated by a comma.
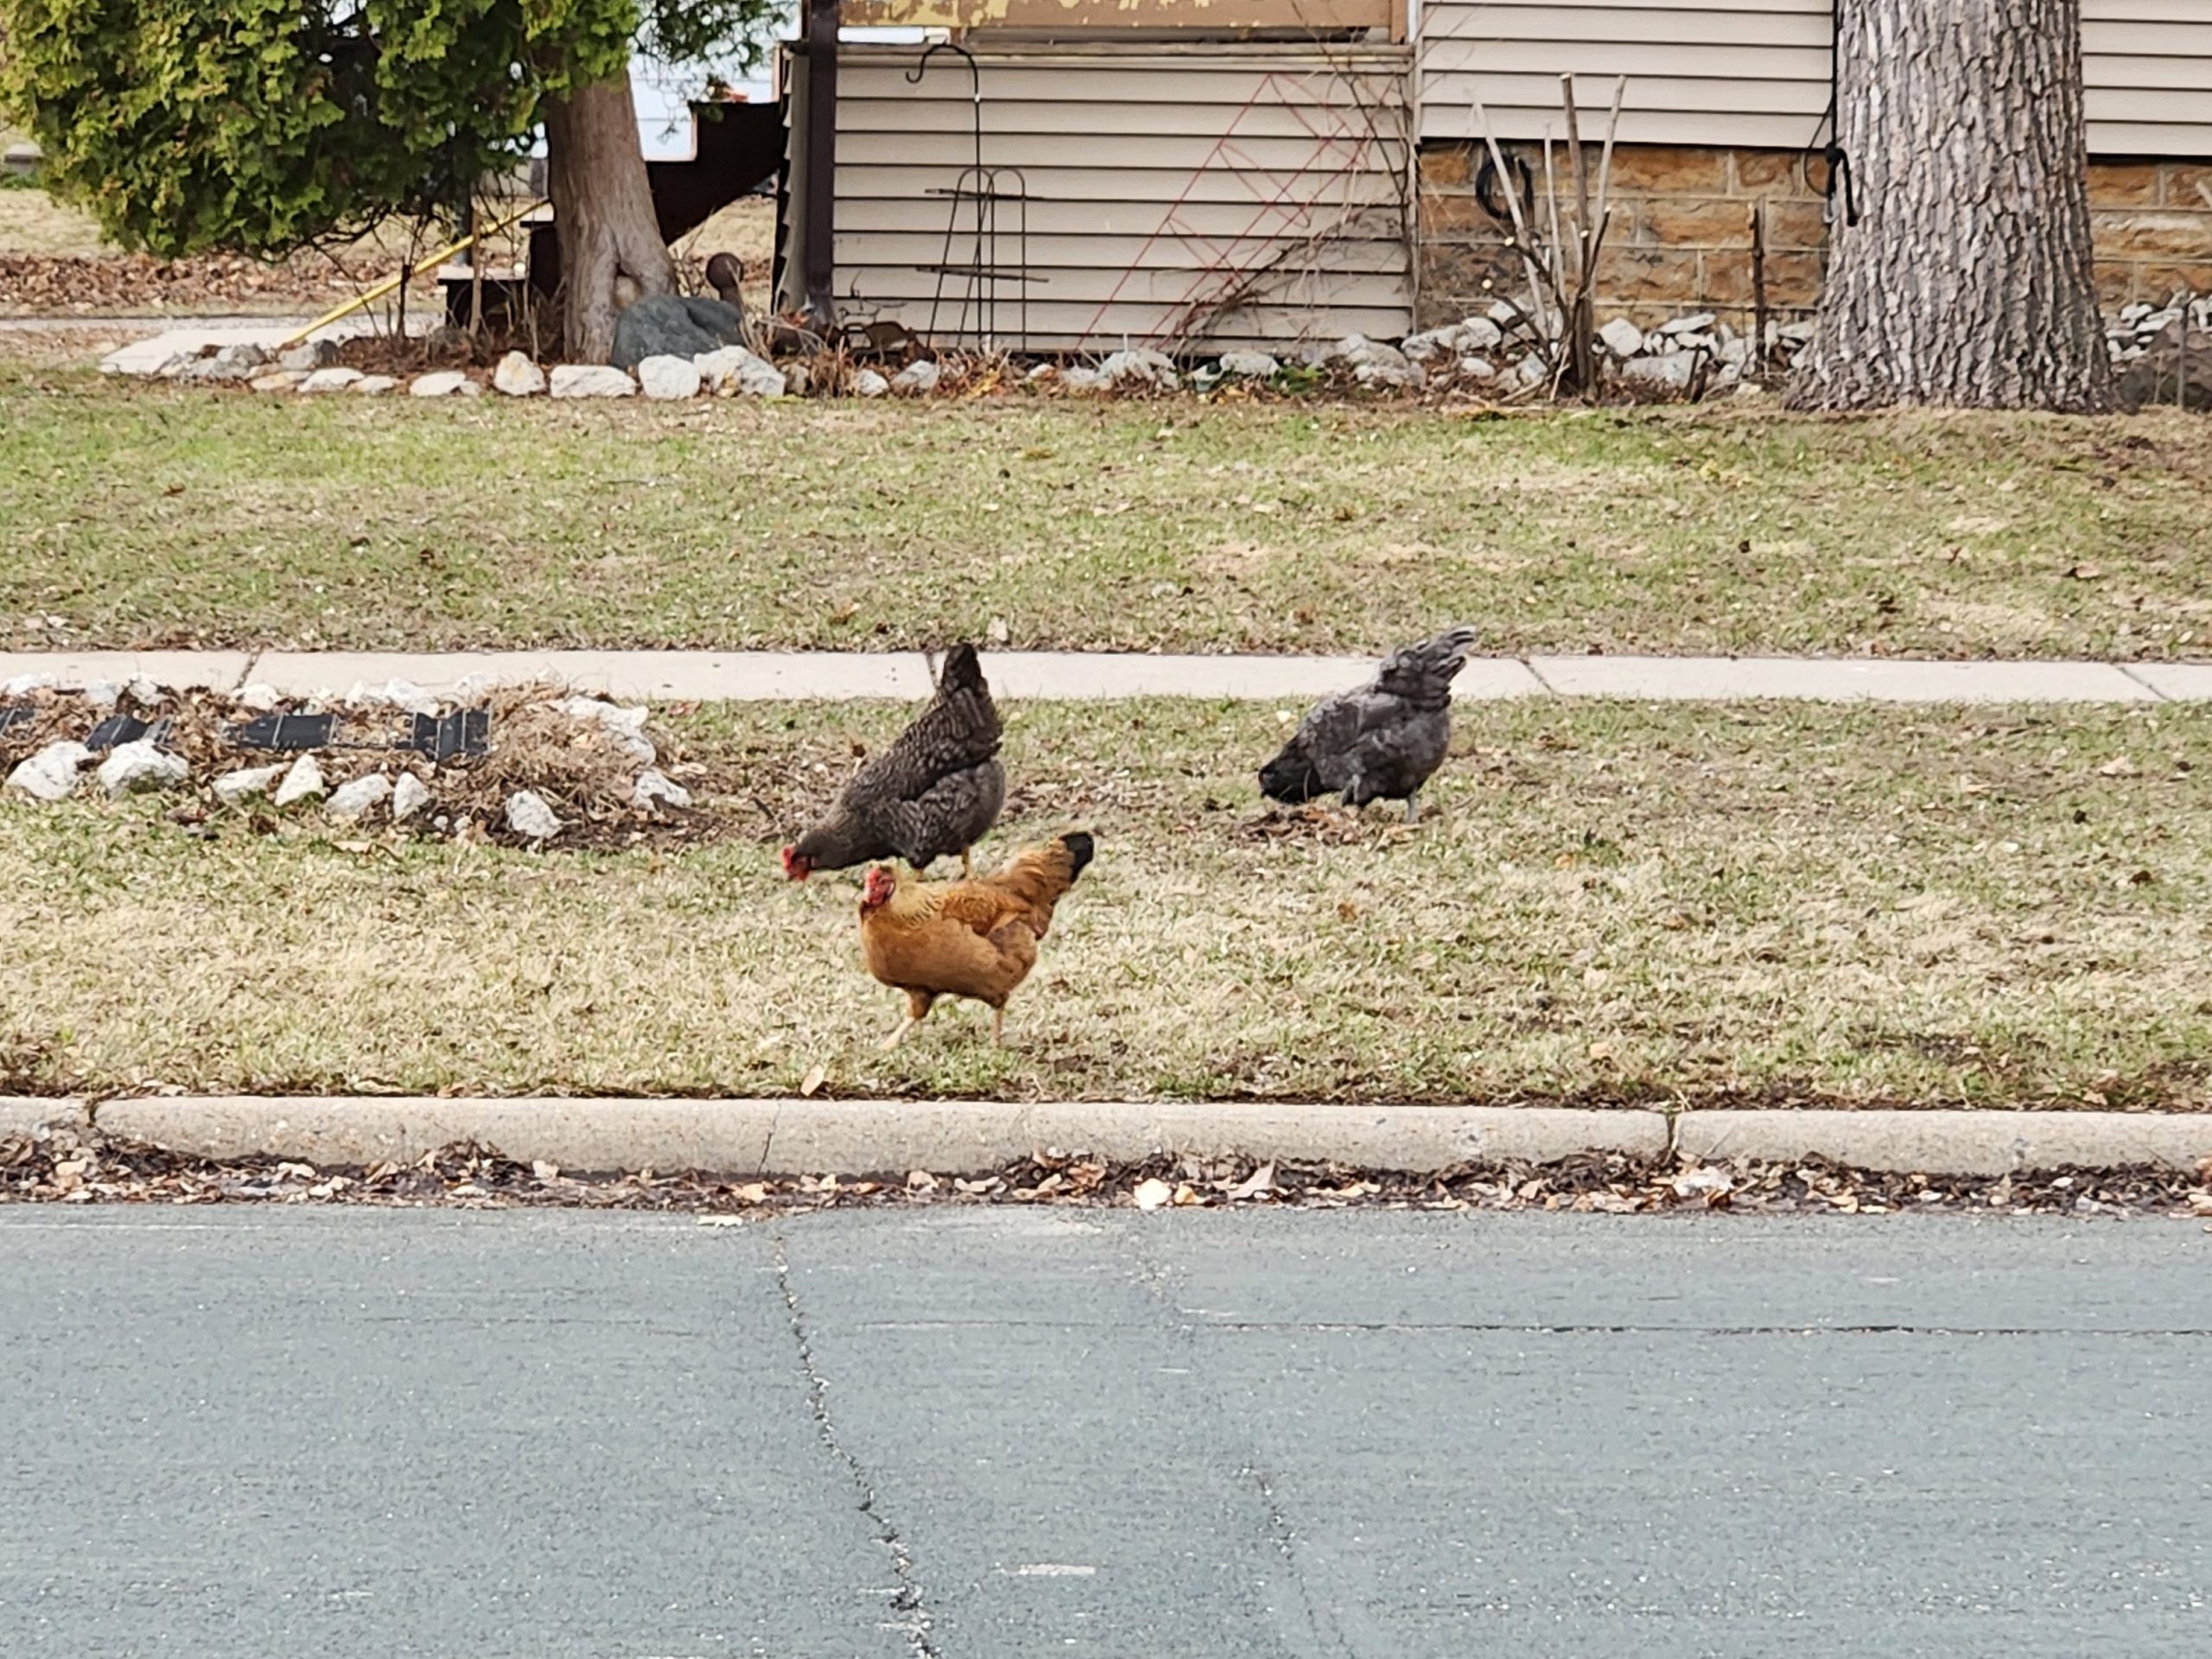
[
  {"x": 1968, "y": 280},
  {"x": 611, "y": 250}
]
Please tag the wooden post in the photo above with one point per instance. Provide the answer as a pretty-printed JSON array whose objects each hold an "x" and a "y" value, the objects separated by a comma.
[
  {"x": 1759, "y": 287},
  {"x": 819, "y": 271}
]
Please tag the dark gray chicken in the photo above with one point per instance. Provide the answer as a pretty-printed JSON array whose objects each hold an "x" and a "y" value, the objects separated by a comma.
[
  {"x": 936, "y": 790},
  {"x": 1379, "y": 743}
]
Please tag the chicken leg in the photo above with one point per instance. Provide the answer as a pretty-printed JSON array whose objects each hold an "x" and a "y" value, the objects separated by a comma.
[
  {"x": 1413, "y": 806},
  {"x": 918, "y": 1004}
]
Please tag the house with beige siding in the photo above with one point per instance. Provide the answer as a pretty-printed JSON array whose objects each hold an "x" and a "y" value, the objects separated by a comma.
[{"x": 1078, "y": 175}]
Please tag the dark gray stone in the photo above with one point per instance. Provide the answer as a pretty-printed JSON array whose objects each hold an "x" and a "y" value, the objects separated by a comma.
[{"x": 682, "y": 325}]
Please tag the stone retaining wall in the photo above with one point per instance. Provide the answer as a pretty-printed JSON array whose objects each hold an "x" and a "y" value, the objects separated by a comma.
[{"x": 1681, "y": 236}]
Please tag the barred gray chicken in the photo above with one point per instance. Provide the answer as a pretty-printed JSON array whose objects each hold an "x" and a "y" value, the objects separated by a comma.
[
  {"x": 1381, "y": 742},
  {"x": 936, "y": 790}
]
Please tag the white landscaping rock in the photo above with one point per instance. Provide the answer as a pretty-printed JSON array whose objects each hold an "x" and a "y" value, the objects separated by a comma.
[
  {"x": 591, "y": 380},
  {"x": 443, "y": 383},
  {"x": 1374, "y": 364},
  {"x": 668, "y": 379},
  {"x": 1076, "y": 378},
  {"x": 1692, "y": 325},
  {"x": 102, "y": 698},
  {"x": 403, "y": 695},
  {"x": 528, "y": 815},
  {"x": 733, "y": 371},
  {"x": 654, "y": 786},
  {"x": 51, "y": 774},
  {"x": 335, "y": 379},
  {"x": 1532, "y": 371},
  {"x": 303, "y": 781},
  {"x": 1457, "y": 340},
  {"x": 1622, "y": 338},
  {"x": 372, "y": 385},
  {"x": 308, "y": 356},
  {"x": 518, "y": 376},
  {"x": 142, "y": 765},
  {"x": 143, "y": 691},
  {"x": 233, "y": 788},
  {"x": 1140, "y": 367},
  {"x": 213, "y": 371},
  {"x": 280, "y": 380},
  {"x": 1477, "y": 368},
  {"x": 1250, "y": 366},
  {"x": 921, "y": 375},
  {"x": 24, "y": 683},
  {"x": 244, "y": 355},
  {"x": 351, "y": 802},
  {"x": 625, "y": 726},
  {"x": 408, "y": 796},
  {"x": 868, "y": 383},
  {"x": 260, "y": 698},
  {"x": 1668, "y": 373}
]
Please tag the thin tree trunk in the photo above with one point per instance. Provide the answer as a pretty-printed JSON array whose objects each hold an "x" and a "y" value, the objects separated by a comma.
[
  {"x": 611, "y": 251},
  {"x": 1967, "y": 281}
]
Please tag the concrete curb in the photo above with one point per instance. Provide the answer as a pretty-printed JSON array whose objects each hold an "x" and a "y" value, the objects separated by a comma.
[
  {"x": 866, "y": 1137},
  {"x": 801, "y": 1137},
  {"x": 23, "y": 1115},
  {"x": 1950, "y": 1143}
]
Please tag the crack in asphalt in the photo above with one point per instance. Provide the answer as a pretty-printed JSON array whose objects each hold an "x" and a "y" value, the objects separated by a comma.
[{"x": 913, "y": 1614}]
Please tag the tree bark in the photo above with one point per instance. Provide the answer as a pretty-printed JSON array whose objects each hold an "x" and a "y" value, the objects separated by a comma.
[
  {"x": 1967, "y": 281},
  {"x": 611, "y": 248}
]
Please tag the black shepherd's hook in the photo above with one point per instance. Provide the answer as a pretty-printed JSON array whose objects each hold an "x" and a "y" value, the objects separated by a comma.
[{"x": 975, "y": 85}]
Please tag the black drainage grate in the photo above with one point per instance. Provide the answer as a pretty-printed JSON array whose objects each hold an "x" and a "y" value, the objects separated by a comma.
[
  {"x": 441, "y": 737},
  {"x": 118, "y": 729},
  {"x": 285, "y": 733}
]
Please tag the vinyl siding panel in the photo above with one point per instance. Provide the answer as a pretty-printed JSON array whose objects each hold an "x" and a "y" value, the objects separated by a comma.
[
  {"x": 1164, "y": 184},
  {"x": 1754, "y": 73}
]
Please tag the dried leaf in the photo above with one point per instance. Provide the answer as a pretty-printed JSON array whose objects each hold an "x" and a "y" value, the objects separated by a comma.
[
  {"x": 1262, "y": 1179},
  {"x": 1186, "y": 1195},
  {"x": 751, "y": 1192},
  {"x": 2119, "y": 766},
  {"x": 812, "y": 1083},
  {"x": 545, "y": 1171},
  {"x": 1153, "y": 1193}
]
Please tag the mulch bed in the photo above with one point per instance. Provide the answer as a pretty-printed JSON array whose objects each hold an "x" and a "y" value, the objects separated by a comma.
[{"x": 575, "y": 767}]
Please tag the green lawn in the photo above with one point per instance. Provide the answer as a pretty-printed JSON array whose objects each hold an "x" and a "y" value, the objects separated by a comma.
[
  {"x": 150, "y": 517},
  {"x": 1616, "y": 903}
]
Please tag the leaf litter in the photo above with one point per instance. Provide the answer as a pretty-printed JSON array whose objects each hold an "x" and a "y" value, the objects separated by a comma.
[{"x": 72, "y": 1166}]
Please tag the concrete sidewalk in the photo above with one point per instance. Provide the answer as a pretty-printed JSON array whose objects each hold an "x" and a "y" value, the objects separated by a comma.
[
  {"x": 890, "y": 1137},
  {"x": 754, "y": 676}
]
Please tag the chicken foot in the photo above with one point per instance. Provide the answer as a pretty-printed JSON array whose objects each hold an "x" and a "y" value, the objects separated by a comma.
[{"x": 918, "y": 1004}]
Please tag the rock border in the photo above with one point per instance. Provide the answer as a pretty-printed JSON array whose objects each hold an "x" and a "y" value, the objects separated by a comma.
[
  {"x": 790, "y": 1137},
  {"x": 1504, "y": 354}
]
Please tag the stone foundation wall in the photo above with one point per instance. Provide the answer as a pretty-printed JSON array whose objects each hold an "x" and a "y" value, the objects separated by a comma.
[{"x": 1680, "y": 237}]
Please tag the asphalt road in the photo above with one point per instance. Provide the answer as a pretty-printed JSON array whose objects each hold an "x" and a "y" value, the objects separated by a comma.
[{"x": 355, "y": 1434}]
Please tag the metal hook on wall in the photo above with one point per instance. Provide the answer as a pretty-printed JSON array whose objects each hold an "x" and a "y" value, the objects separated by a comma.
[{"x": 975, "y": 83}]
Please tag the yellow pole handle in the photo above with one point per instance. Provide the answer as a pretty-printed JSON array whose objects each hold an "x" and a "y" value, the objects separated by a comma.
[{"x": 386, "y": 287}]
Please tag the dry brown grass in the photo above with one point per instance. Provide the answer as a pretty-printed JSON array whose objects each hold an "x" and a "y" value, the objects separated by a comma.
[{"x": 1618, "y": 903}]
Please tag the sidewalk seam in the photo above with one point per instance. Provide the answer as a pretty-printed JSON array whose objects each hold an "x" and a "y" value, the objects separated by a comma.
[{"x": 2128, "y": 669}]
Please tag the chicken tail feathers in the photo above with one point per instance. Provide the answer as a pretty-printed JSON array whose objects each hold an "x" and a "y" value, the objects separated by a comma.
[
  {"x": 1422, "y": 674},
  {"x": 1039, "y": 877},
  {"x": 962, "y": 672}
]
